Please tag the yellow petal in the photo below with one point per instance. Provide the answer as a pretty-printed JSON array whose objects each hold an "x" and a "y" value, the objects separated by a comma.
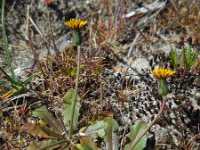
[
  {"x": 76, "y": 24},
  {"x": 162, "y": 72}
]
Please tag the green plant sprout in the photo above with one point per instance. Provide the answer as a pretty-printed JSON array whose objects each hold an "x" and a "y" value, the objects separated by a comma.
[
  {"x": 188, "y": 58},
  {"x": 16, "y": 83},
  {"x": 174, "y": 58}
]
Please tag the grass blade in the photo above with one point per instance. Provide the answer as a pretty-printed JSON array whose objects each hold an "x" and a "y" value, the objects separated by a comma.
[{"x": 5, "y": 41}]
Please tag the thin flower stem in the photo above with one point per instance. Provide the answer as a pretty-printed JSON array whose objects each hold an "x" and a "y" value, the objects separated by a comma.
[
  {"x": 101, "y": 94},
  {"x": 76, "y": 93},
  {"x": 135, "y": 142}
]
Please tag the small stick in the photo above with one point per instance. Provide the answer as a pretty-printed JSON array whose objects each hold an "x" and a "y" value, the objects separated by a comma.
[
  {"x": 174, "y": 5},
  {"x": 130, "y": 51}
]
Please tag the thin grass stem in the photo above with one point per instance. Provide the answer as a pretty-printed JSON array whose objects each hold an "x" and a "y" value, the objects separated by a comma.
[{"x": 5, "y": 41}]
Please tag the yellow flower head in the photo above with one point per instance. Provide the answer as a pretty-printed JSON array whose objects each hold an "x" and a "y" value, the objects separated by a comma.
[
  {"x": 75, "y": 24},
  {"x": 162, "y": 73}
]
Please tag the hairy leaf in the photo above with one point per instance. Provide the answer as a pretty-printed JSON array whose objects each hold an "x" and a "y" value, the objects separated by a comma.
[
  {"x": 184, "y": 59},
  {"x": 96, "y": 129},
  {"x": 43, "y": 145},
  {"x": 49, "y": 119},
  {"x": 68, "y": 108},
  {"x": 86, "y": 143},
  {"x": 174, "y": 57},
  {"x": 40, "y": 131},
  {"x": 111, "y": 129},
  {"x": 136, "y": 130}
]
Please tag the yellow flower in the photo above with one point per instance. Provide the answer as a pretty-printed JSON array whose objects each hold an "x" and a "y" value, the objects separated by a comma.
[
  {"x": 162, "y": 73},
  {"x": 75, "y": 24}
]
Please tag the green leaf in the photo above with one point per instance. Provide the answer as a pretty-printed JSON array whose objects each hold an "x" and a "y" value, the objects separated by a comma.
[
  {"x": 189, "y": 53},
  {"x": 107, "y": 129},
  {"x": 96, "y": 129},
  {"x": 183, "y": 56},
  {"x": 174, "y": 57},
  {"x": 43, "y": 145},
  {"x": 5, "y": 42},
  {"x": 69, "y": 72},
  {"x": 136, "y": 130},
  {"x": 86, "y": 143},
  {"x": 111, "y": 129},
  {"x": 51, "y": 133},
  {"x": 28, "y": 79},
  {"x": 68, "y": 108},
  {"x": 48, "y": 118},
  {"x": 189, "y": 58},
  {"x": 40, "y": 131},
  {"x": 193, "y": 59},
  {"x": 7, "y": 76}
]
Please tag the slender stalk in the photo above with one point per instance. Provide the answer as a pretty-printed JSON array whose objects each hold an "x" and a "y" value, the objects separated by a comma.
[
  {"x": 135, "y": 142},
  {"x": 76, "y": 93},
  {"x": 5, "y": 41},
  {"x": 101, "y": 94}
]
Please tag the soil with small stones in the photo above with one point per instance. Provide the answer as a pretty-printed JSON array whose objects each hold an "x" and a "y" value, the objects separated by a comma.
[{"x": 110, "y": 81}]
